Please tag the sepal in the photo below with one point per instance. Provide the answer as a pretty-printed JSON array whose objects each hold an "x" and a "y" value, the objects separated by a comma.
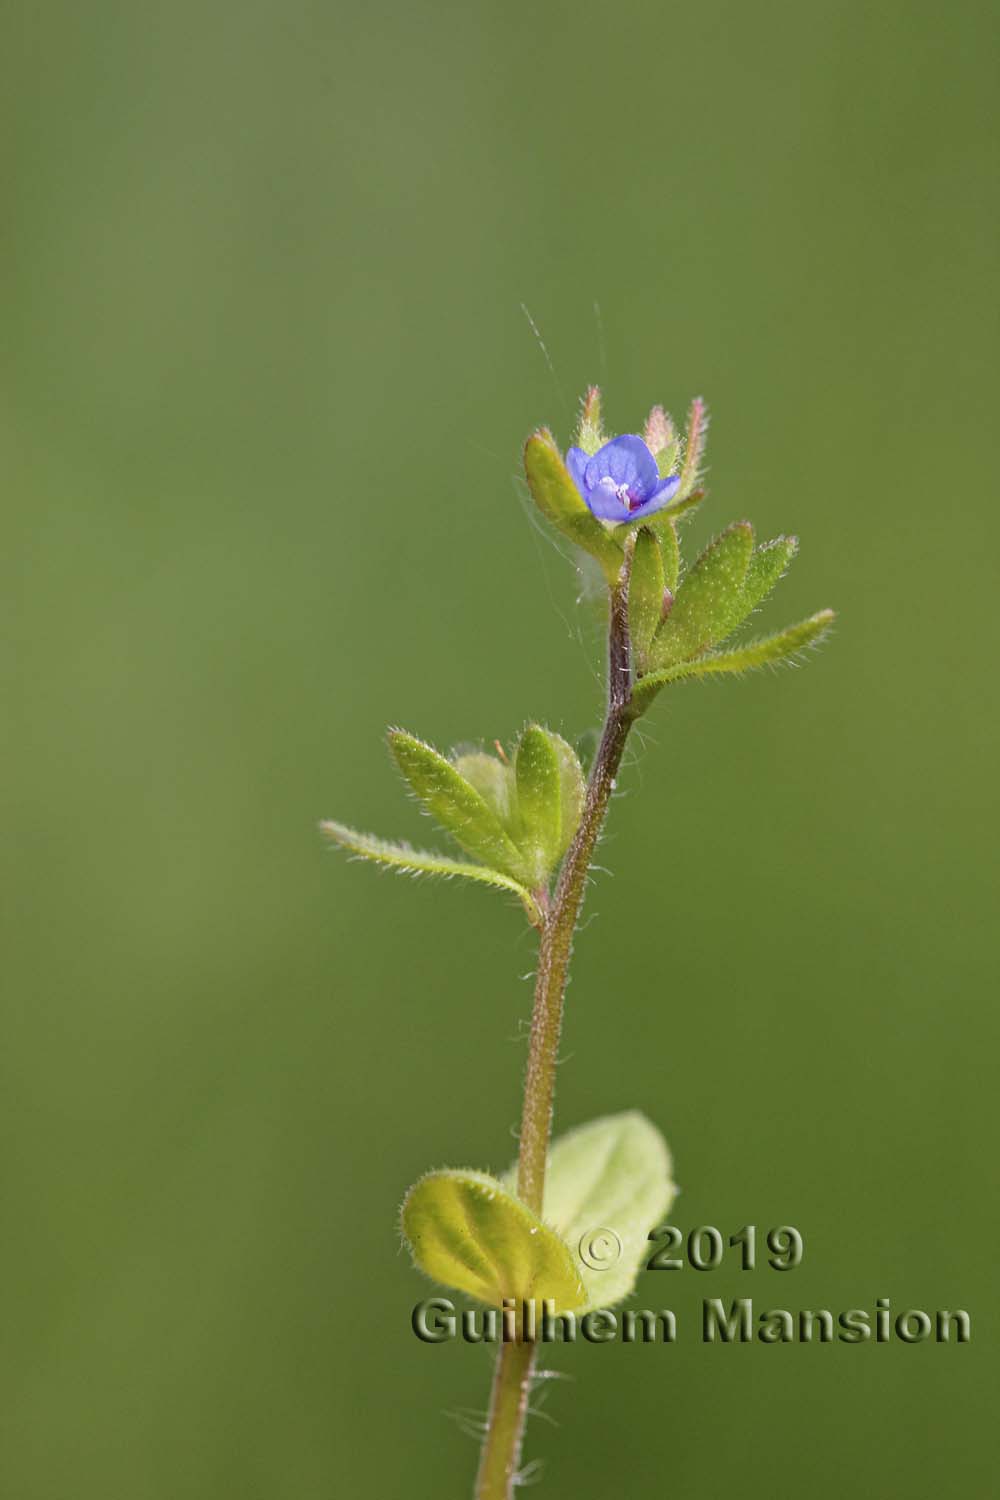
[
  {"x": 590, "y": 434},
  {"x": 661, "y": 440},
  {"x": 695, "y": 439},
  {"x": 647, "y": 583},
  {"x": 559, "y": 500}
]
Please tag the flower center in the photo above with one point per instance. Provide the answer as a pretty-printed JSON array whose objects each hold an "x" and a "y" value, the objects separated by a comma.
[{"x": 630, "y": 501}]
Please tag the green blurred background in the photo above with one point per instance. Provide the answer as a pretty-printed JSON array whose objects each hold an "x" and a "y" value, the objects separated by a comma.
[{"x": 266, "y": 377}]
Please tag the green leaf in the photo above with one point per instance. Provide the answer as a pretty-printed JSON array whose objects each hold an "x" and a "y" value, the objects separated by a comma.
[
  {"x": 402, "y": 857},
  {"x": 493, "y": 780},
  {"x": 550, "y": 793},
  {"x": 559, "y": 500},
  {"x": 670, "y": 547},
  {"x": 572, "y": 790},
  {"x": 772, "y": 649},
  {"x": 457, "y": 805},
  {"x": 645, "y": 593},
  {"x": 766, "y": 567},
  {"x": 607, "y": 1185},
  {"x": 707, "y": 599},
  {"x": 590, "y": 433},
  {"x": 538, "y": 774},
  {"x": 467, "y": 1230}
]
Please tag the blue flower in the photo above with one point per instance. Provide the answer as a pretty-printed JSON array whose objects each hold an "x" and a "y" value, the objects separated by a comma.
[{"x": 621, "y": 482}]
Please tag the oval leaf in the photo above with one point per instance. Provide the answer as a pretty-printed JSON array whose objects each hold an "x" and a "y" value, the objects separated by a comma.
[
  {"x": 607, "y": 1185},
  {"x": 468, "y": 1231}
]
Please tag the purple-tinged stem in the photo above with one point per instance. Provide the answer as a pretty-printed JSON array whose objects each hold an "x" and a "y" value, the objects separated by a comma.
[{"x": 515, "y": 1363}]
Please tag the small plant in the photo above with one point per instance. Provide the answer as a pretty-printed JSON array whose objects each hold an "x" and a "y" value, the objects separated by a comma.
[{"x": 529, "y": 820}]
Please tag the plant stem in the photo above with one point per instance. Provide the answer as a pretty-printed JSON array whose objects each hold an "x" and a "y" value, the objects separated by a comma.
[
  {"x": 512, "y": 1378},
  {"x": 556, "y": 943},
  {"x": 505, "y": 1426}
]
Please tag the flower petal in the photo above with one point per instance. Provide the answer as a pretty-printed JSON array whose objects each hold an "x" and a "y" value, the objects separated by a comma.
[
  {"x": 626, "y": 461},
  {"x": 661, "y": 496},
  {"x": 666, "y": 488},
  {"x": 576, "y": 463},
  {"x": 606, "y": 503}
]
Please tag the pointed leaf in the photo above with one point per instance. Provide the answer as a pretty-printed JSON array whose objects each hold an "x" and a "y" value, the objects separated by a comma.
[
  {"x": 772, "y": 649},
  {"x": 458, "y": 807},
  {"x": 707, "y": 600},
  {"x": 559, "y": 500},
  {"x": 645, "y": 593},
  {"x": 467, "y": 1230},
  {"x": 402, "y": 857},
  {"x": 607, "y": 1185},
  {"x": 767, "y": 565}
]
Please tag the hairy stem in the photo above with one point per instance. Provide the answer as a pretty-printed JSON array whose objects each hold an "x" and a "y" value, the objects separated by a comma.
[
  {"x": 512, "y": 1378},
  {"x": 505, "y": 1426},
  {"x": 556, "y": 943}
]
